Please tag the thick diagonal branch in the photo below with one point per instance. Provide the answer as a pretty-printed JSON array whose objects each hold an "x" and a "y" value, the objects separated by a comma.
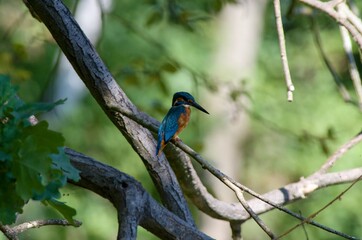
[
  {"x": 92, "y": 70},
  {"x": 134, "y": 205}
]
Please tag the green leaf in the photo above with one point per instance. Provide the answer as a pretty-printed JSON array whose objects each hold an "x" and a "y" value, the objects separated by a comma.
[
  {"x": 33, "y": 163},
  {"x": 61, "y": 161},
  {"x": 27, "y": 110},
  {"x": 67, "y": 212},
  {"x": 10, "y": 202},
  {"x": 7, "y": 96}
]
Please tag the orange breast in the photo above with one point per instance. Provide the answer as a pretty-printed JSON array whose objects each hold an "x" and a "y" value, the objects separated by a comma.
[{"x": 183, "y": 121}]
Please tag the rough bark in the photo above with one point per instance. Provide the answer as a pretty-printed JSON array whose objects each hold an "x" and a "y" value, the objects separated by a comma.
[
  {"x": 95, "y": 75},
  {"x": 134, "y": 205}
]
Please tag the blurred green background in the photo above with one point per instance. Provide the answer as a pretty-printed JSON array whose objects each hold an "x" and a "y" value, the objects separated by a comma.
[{"x": 153, "y": 50}]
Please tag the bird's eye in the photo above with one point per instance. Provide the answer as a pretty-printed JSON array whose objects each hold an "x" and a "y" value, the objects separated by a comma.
[{"x": 190, "y": 100}]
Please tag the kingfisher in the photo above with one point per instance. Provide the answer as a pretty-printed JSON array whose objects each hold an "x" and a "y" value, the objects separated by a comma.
[{"x": 176, "y": 119}]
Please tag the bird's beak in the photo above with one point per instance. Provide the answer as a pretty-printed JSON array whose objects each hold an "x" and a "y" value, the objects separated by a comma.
[{"x": 196, "y": 105}]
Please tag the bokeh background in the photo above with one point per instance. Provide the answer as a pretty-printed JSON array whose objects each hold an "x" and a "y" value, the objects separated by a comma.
[{"x": 227, "y": 56}]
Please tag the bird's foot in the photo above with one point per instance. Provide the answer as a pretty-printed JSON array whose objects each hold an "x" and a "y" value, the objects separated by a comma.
[{"x": 177, "y": 139}]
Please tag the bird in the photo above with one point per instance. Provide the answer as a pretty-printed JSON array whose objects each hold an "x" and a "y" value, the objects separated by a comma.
[{"x": 176, "y": 119}]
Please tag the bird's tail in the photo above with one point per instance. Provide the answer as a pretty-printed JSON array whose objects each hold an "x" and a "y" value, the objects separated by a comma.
[{"x": 160, "y": 147}]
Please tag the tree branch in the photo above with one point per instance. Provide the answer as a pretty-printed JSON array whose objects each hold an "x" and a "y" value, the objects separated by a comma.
[
  {"x": 283, "y": 51},
  {"x": 338, "y": 154},
  {"x": 106, "y": 91},
  {"x": 313, "y": 215},
  {"x": 13, "y": 232},
  {"x": 347, "y": 44},
  {"x": 8, "y": 232},
  {"x": 328, "y": 8},
  {"x": 134, "y": 205},
  {"x": 342, "y": 89}
]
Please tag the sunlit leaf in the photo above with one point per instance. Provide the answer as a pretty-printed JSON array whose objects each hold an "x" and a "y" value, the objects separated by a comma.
[{"x": 67, "y": 212}]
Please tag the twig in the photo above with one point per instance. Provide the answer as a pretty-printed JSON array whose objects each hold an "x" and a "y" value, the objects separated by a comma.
[
  {"x": 13, "y": 232},
  {"x": 328, "y": 8},
  {"x": 240, "y": 196},
  {"x": 295, "y": 215},
  {"x": 356, "y": 21},
  {"x": 304, "y": 229},
  {"x": 283, "y": 51},
  {"x": 347, "y": 44},
  {"x": 41, "y": 223},
  {"x": 227, "y": 181},
  {"x": 342, "y": 89},
  {"x": 339, "y": 153},
  {"x": 8, "y": 232},
  {"x": 217, "y": 173},
  {"x": 313, "y": 215}
]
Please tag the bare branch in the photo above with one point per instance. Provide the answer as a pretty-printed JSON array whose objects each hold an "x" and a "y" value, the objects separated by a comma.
[
  {"x": 284, "y": 195},
  {"x": 240, "y": 196},
  {"x": 342, "y": 89},
  {"x": 228, "y": 182},
  {"x": 347, "y": 44},
  {"x": 356, "y": 21},
  {"x": 339, "y": 153},
  {"x": 328, "y": 8},
  {"x": 41, "y": 223},
  {"x": 13, "y": 232},
  {"x": 313, "y": 215},
  {"x": 8, "y": 232},
  {"x": 283, "y": 51}
]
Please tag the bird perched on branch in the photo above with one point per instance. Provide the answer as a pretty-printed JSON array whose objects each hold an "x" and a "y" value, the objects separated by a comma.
[{"x": 176, "y": 119}]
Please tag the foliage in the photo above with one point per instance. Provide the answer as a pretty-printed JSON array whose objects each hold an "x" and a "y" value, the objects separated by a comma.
[{"x": 33, "y": 162}]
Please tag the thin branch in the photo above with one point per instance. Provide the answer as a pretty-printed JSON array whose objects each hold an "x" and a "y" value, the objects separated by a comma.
[
  {"x": 338, "y": 154},
  {"x": 244, "y": 203},
  {"x": 13, "y": 232},
  {"x": 327, "y": 8},
  {"x": 314, "y": 184},
  {"x": 227, "y": 181},
  {"x": 283, "y": 51},
  {"x": 356, "y": 21},
  {"x": 342, "y": 89},
  {"x": 41, "y": 223},
  {"x": 290, "y": 193},
  {"x": 347, "y": 44},
  {"x": 8, "y": 232},
  {"x": 313, "y": 215}
]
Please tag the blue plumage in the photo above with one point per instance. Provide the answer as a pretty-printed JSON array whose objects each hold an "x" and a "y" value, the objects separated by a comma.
[{"x": 176, "y": 119}]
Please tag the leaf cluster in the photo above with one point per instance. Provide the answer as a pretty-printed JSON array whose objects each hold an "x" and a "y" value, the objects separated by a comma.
[{"x": 33, "y": 164}]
